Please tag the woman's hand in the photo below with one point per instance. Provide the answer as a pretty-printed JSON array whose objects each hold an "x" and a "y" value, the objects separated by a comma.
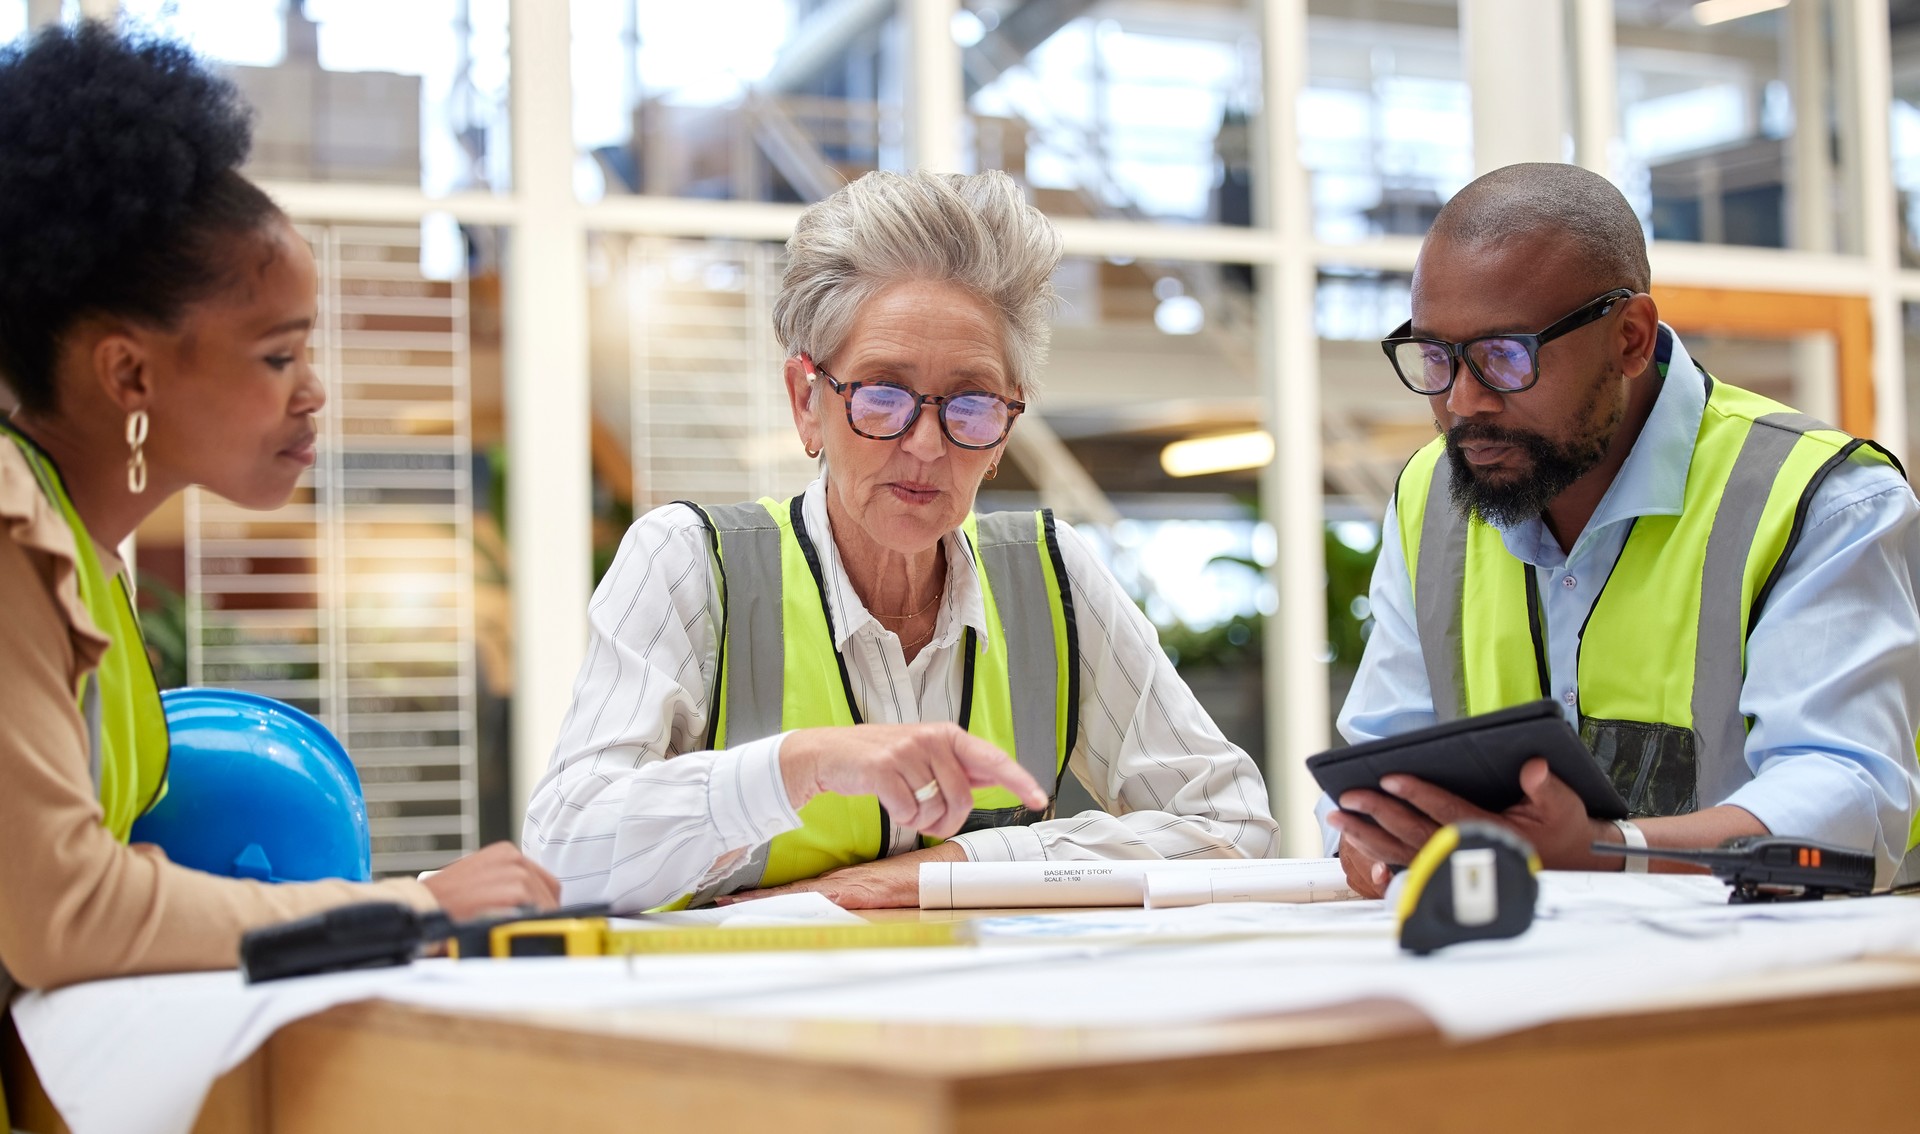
[
  {"x": 498, "y": 877},
  {"x": 887, "y": 883},
  {"x": 924, "y": 774}
]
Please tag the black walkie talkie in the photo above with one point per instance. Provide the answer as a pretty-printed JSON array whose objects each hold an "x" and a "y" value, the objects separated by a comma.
[
  {"x": 371, "y": 935},
  {"x": 1769, "y": 868}
]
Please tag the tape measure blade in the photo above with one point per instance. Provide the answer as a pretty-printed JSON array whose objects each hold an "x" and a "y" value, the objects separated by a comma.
[{"x": 770, "y": 939}]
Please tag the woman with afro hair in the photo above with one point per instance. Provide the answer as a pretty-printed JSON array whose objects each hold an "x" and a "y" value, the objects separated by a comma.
[{"x": 154, "y": 313}]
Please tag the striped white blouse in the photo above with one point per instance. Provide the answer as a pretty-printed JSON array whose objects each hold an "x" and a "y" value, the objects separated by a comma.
[{"x": 633, "y": 812}]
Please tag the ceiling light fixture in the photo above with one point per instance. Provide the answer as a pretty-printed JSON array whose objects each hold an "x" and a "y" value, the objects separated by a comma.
[
  {"x": 1228, "y": 452},
  {"x": 1709, "y": 12}
]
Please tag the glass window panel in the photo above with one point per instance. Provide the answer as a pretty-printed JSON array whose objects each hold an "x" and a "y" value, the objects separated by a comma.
[
  {"x": 1711, "y": 119},
  {"x": 1906, "y": 127},
  {"x": 375, "y": 597},
  {"x": 1373, "y": 423},
  {"x": 361, "y": 90},
  {"x": 1146, "y": 353},
  {"x": 688, "y": 402},
  {"x": 1119, "y": 110},
  {"x": 1386, "y": 126},
  {"x": 1796, "y": 371},
  {"x": 753, "y": 100},
  {"x": 1361, "y": 304}
]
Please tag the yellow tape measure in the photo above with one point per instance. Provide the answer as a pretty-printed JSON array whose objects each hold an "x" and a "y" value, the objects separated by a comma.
[
  {"x": 764, "y": 939},
  {"x": 591, "y": 937}
]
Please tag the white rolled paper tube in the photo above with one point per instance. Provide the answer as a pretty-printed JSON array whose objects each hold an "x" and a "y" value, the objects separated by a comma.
[
  {"x": 1030, "y": 885},
  {"x": 1112, "y": 882},
  {"x": 1314, "y": 880},
  {"x": 1185, "y": 888}
]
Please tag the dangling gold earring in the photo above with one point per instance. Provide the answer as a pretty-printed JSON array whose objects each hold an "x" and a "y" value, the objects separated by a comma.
[
  {"x": 812, "y": 454},
  {"x": 137, "y": 461},
  {"x": 993, "y": 471}
]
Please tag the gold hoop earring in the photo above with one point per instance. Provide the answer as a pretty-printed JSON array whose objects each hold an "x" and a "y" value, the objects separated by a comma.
[
  {"x": 812, "y": 454},
  {"x": 993, "y": 471},
  {"x": 137, "y": 460}
]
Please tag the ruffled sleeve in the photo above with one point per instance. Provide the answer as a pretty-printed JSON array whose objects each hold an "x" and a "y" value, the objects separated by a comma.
[{"x": 32, "y": 521}]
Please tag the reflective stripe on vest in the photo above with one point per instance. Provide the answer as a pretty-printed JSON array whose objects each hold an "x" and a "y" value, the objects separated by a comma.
[
  {"x": 1662, "y": 656},
  {"x": 120, "y": 701},
  {"x": 779, "y": 671}
]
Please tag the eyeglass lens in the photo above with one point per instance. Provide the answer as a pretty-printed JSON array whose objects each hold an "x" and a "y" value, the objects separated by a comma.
[
  {"x": 1506, "y": 364},
  {"x": 971, "y": 419}
]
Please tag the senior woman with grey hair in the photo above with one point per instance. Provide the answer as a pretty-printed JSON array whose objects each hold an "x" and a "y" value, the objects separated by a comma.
[{"x": 824, "y": 692}]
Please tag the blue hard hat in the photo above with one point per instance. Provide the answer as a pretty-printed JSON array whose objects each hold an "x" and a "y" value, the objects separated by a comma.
[{"x": 257, "y": 789}]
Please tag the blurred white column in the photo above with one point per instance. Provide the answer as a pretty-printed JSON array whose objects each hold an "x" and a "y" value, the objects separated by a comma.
[
  {"x": 935, "y": 97},
  {"x": 1291, "y": 486},
  {"x": 1810, "y": 215},
  {"x": 1863, "y": 29},
  {"x": 549, "y": 503},
  {"x": 1596, "y": 86},
  {"x": 1516, "y": 71}
]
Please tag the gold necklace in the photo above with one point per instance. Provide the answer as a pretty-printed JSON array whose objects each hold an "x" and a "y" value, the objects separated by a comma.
[
  {"x": 908, "y": 617},
  {"x": 918, "y": 643}
]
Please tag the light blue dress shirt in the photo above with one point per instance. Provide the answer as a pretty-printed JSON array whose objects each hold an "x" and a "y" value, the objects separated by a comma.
[{"x": 1833, "y": 665}]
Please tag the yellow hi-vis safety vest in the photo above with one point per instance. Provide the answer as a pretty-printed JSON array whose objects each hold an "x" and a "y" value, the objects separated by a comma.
[
  {"x": 779, "y": 670},
  {"x": 1663, "y": 654},
  {"x": 120, "y": 701}
]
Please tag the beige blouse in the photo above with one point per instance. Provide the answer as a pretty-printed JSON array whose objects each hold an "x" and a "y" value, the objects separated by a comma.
[{"x": 75, "y": 904}]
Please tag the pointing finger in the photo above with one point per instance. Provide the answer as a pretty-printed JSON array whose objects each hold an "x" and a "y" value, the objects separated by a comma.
[{"x": 988, "y": 766}]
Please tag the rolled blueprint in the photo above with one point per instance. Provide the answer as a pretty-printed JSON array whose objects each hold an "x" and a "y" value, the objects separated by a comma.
[
  {"x": 1030, "y": 885},
  {"x": 1308, "y": 880}
]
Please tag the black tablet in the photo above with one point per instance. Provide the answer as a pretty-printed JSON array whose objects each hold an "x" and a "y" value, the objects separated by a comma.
[{"x": 1477, "y": 759}]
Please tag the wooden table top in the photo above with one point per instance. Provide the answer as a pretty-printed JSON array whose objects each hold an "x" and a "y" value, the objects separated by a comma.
[{"x": 1753, "y": 1054}]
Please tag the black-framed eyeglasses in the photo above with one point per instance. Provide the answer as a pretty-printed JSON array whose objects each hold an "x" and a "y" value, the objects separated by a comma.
[
  {"x": 882, "y": 411},
  {"x": 1505, "y": 364}
]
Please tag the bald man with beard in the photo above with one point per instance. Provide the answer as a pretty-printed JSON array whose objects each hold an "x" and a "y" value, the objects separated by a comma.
[{"x": 1716, "y": 590}]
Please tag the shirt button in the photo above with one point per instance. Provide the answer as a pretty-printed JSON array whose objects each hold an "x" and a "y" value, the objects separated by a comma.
[
  {"x": 1568, "y": 581},
  {"x": 1569, "y": 697}
]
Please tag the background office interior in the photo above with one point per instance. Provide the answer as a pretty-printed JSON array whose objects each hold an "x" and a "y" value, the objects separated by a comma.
[{"x": 550, "y": 233}]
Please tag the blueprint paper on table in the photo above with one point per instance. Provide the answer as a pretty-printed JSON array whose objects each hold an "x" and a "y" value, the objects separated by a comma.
[{"x": 1602, "y": 943}]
